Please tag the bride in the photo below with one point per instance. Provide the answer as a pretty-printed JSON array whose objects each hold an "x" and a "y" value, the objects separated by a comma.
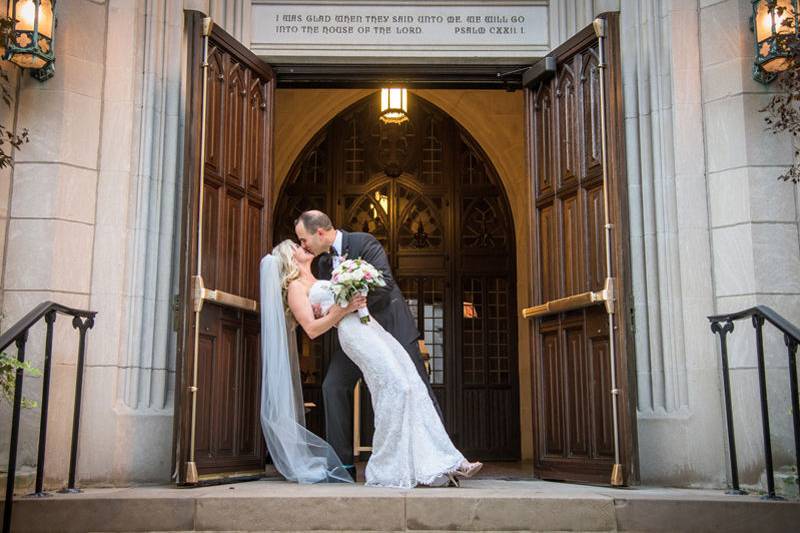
[{"x": 410, "y": 445}]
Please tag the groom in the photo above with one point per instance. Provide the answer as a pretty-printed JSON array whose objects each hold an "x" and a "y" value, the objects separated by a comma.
[{"x": 317, "y": 235}]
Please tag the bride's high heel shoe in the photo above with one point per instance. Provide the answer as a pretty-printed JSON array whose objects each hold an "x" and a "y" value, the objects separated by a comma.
[{"x": 467, "y": 469}]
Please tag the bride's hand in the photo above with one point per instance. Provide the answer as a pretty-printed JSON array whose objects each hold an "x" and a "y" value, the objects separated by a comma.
[{"x": 358, "y": 302}]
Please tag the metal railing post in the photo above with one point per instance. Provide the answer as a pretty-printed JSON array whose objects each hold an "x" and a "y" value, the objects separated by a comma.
[
  {"x": 791, "y": 345},
  {"x": 82, "y": 326},
  {"x": 50, "y": 319},
  {"x": 12, "y": 453},
  {"x": 758, "y": 323},
  {"x": 723, "y": 331}
]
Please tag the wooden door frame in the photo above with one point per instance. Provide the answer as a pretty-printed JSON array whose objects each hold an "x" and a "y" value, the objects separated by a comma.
[
  {"x": 417, "y": 75},
  {"x": 618, "y": 199},
  {"x": 183, "y": 307}
]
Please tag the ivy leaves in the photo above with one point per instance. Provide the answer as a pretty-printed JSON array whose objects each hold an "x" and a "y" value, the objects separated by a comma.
[{"x": 8, "y": 376}]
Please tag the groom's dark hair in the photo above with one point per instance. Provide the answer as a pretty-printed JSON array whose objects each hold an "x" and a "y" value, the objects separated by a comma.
[{"x": 313, "y": 220}]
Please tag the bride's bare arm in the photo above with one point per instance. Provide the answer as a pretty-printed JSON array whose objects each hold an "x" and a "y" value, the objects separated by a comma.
[{"x": 304, "y": 314}]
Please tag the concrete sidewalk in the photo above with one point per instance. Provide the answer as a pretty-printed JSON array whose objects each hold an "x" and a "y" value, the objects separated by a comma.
[{"x": 479, "y": 505}]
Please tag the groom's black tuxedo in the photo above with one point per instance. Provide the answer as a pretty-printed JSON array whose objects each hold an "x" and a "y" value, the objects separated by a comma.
[{"x": 389, "y": 308}]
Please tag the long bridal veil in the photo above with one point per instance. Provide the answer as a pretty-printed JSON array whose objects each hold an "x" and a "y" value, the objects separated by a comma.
[{"x": 298, "y": 454}]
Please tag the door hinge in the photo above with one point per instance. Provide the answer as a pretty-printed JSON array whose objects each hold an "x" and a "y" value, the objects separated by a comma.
[
  {"x": 176, "y": 312},
  {"x": 633, "y": 320}
]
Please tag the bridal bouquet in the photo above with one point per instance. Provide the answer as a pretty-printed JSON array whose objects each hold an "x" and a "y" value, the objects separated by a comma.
[{"x": 355, "y": 276}]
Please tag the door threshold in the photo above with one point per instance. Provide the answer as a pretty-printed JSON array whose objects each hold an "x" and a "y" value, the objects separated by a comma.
[{"x": 225, "y": 478}]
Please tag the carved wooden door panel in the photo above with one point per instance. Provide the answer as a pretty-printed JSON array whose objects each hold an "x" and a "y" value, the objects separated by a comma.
[
  {"x": 227, "y": 203},
  {"x": 432, "y": 198},
  {"x": 571, "y": 369},
  {"x": 486, "y": 336}
]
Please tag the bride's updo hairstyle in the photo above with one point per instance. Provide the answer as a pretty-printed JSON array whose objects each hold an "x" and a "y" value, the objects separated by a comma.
[{"x": 289, "y": 271}]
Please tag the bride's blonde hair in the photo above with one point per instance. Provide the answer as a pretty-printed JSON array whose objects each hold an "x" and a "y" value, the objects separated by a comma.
[{"x": 289, "y": 270}]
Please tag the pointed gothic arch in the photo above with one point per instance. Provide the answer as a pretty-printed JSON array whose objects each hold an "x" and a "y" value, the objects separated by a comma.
[{"x": 431, "y": 195}]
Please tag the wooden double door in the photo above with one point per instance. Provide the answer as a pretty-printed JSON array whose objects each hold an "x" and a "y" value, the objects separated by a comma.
[
  {"x": 432, "y": 198},
  {"x": 429, "y": 193}
]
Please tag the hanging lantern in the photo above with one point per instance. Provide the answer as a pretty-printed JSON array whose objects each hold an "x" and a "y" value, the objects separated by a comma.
[
  {"x": 774, "y": 23},
  {"x": 30, "y": 41},
  {"x": 470, "y": 311},
  {"x": 394, "y": 105}
]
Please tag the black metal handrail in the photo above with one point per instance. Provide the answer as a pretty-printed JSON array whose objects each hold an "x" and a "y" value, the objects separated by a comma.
[
  {"x": 723, "y": 325},
  {"x": 18, "y": 334}
]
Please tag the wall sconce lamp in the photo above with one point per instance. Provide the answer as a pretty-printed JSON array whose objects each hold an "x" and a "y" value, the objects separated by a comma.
[
  {"x": 774, "y": 23},
  {"x": 29, "y": 41}
]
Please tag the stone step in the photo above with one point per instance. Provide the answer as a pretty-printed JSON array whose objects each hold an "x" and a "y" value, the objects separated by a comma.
[
  {"x": 24, "y": 481},
  {"x": 479, "y": 505}
]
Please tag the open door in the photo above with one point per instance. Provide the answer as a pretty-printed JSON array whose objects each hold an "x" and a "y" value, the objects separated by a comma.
[
  {"x": 579, "y": 432},
  {"x": 225, "y": 231}
]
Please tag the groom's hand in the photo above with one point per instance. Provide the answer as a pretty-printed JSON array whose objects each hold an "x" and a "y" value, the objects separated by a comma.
[{"x": 317, "y": 308}]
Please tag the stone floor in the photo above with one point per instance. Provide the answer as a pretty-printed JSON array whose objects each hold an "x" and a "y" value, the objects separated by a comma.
[{"x": 479, "y": 505}]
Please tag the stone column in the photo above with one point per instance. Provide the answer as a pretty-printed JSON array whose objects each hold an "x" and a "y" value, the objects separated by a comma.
[
  {"x": 567, "y": 17},
  {"x": 232, "y": 15},
  {"x": 141, "y": 177},
  {"x": 677, "y": 379}
]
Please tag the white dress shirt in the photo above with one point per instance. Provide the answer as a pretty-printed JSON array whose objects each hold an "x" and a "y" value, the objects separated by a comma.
[{"x": 337, "y": 243}]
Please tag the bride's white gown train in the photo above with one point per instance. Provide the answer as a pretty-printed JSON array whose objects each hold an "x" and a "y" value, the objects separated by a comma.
[{"x": 410, "y": 445}]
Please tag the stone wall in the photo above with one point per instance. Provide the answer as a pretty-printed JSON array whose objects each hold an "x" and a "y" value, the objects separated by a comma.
[
  {"x": 753, "y": 222},
  {"x": 677, "y": 372},
  {"x": 92, "y": 222}
]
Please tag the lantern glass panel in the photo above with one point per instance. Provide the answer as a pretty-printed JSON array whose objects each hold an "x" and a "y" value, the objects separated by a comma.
[
  {"x": 763, "y": 21},
  {"x": 28, "y": 61},
  {"x": 384, "y": 100},
  {"x": 776, "y": 65},
  {"x": 785, "y": 13},
  {"x": 26, "y": 15}
]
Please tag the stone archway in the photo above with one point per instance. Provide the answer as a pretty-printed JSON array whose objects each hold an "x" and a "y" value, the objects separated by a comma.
[
  {"x": 495, "y": 119},
  {"x": 430, "y": 194}
]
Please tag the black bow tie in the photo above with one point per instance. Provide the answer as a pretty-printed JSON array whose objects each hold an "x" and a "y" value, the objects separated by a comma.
[{"x": 333, "y": 251}]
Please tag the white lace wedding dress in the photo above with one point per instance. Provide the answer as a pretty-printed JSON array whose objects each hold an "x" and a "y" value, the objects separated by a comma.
[{"x": 410, "y": 445}]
